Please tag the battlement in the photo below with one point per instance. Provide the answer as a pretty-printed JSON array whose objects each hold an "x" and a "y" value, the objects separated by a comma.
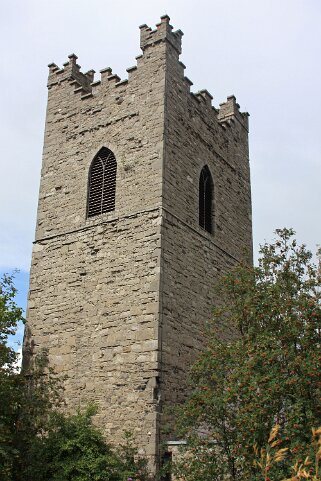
[
  {"x": 163, "y": 32},
  {"x": 230, "y": 111},
  {"x": 85, "y": 81},
  {"x": 85, "y": 86},
  {"x": 70, "y": 71}
]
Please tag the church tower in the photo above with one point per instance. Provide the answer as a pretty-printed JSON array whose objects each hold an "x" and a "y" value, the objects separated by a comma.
[{"x": 144, "y": 203}]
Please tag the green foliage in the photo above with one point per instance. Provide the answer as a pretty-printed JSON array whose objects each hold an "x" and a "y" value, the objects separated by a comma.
[
  {"x": 10, "y": 381},
  {"x": 262, "y": 365},
  {"x": 25, "y": 399},
  {"x": 10, "y": 315},
  {"x": 73, "y": 449},
  {"x": 40, "y": 395},
  {"x": 195, "y": 462}
]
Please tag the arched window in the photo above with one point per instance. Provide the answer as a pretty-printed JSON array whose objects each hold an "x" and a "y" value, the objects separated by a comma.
[
  {"x": 206, "y": 200},
  {"x": 102, "y": 183}
]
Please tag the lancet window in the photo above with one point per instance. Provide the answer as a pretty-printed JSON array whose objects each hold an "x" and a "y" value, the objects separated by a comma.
[
  {"x": 206, "y": 200},
  {"x": 102, "y": 183}
]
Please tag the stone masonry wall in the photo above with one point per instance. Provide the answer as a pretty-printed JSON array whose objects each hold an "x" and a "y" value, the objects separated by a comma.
[
  {"x": 94, "y": 304},
  {"x": 193, "y": 260}
]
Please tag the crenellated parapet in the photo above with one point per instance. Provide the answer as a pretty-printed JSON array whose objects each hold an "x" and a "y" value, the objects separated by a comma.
[
  {"x": 163, "y": 32},
  {"x": 85, "y": 86},
  {"x": 71, "y": 72},
  {"x": 229, "y": 112},
  {"x": 203, "y": 96},
  {"x": 228, "y": 115}
]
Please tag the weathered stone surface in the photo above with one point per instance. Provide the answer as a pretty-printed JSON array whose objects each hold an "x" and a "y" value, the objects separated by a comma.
[{"x": 120, "y": 299}]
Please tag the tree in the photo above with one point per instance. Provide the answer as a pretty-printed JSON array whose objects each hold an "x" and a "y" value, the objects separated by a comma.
[
  {"x": 10, "y": 382},
  {"x": 262, "y": 366}
]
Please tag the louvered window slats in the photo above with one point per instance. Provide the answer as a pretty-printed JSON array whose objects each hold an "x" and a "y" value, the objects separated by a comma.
[
  {"x": 206, "y": 200},
  {"x": 102, "y": 183}
]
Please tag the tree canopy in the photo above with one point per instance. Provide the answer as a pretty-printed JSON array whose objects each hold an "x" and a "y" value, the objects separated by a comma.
[{"x": 262, "y": 366}]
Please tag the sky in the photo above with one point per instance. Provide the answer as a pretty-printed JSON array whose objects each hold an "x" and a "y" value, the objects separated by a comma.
[{"x": 266, "y": 52}]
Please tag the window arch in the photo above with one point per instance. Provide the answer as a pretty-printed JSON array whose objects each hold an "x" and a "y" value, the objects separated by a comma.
[
  {"x": 206, "y": 200},
  {"x": 102, "y": 183}
]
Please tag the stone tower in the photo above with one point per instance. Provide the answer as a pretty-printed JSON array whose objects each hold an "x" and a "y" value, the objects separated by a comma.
[{"x": 144, "y": 202}]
